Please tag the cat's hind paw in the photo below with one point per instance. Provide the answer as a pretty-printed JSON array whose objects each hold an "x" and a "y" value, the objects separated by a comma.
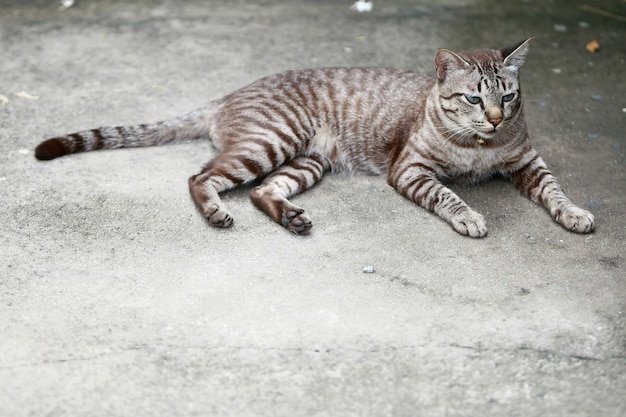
[
  {"x": 296, "y": 221},
  {"x": 219, "y": 217},
  {"x": 469, "y": 223},
  {"x": 576, "y": 219}
]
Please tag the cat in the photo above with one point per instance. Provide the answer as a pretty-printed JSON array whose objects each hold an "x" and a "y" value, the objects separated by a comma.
[{"x": 419, "y": 131}]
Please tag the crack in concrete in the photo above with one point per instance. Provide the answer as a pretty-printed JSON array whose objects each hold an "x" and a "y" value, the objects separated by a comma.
[{"x": 478, "y": 349}]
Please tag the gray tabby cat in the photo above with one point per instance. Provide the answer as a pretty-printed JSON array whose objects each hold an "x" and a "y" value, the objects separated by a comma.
[{"x": 418, "y": 131}]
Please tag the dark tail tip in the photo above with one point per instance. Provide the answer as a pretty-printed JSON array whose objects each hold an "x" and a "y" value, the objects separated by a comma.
[{"x": 50, "y": 149}]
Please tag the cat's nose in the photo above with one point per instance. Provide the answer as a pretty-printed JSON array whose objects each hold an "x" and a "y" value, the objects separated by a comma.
[
  {"x": 495, "y": 121},
  {"x": 494, "y": 115}
]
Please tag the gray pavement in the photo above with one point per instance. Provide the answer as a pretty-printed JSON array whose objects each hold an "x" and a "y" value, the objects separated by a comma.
[{"x": 116, "y": 299}]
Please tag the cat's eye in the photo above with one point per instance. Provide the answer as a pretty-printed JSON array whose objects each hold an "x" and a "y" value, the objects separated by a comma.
[
  {"x": 508, "y": 97},
  {"x": 473, "y": 99}
]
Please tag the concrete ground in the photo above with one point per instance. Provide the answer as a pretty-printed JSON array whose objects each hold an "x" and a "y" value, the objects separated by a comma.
[{"x": 116, "y": 299}]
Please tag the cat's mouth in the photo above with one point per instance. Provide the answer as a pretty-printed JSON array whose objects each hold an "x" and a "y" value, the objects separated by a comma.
[{"x": 487, "y": 130}]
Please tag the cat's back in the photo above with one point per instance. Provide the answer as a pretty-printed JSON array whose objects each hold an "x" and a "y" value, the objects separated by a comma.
[{"x": 337, "y": 85}]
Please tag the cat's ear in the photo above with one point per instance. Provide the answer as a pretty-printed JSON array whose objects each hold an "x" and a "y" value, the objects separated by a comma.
[
  {"x": 447, "y": 61},
  {"x": 515, "y": 55}
]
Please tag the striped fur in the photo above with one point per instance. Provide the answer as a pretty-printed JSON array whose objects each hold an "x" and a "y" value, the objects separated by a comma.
[{"x": 292, "y": 128}]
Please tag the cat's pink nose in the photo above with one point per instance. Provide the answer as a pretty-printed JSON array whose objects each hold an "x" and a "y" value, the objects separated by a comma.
[
  {"x": 494, "y": 115},
  {"x": 495, "y": 121}
]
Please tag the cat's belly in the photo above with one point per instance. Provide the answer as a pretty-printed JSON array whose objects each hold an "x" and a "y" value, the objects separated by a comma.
[{"x": 349, "y": 159}]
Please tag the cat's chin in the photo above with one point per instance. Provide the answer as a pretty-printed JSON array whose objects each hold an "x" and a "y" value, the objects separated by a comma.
[
  {"x": 482, "y": 138},
  {"x": 486, "y": 136}
]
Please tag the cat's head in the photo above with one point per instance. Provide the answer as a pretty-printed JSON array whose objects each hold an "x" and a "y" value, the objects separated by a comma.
[{"x": 479, "y": 91}]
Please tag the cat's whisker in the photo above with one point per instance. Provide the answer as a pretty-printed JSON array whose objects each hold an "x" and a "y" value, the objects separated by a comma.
[{"x": 457, "y": 132}]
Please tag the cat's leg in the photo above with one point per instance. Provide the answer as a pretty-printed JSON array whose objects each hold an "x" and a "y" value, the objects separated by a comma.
[
  {"x": 292, "y": 178},
  {"x": 535, "y": 180},
  {"x": 226, "y": 171},
  {"x": 420, "y": 184},
  {"x": 205, "y": 188}
]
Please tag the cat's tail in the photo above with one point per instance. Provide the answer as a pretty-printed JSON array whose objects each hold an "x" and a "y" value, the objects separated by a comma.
[{"x": 190, "y": 126}]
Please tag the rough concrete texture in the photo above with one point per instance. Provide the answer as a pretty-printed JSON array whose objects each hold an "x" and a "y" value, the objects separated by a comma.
[{"x": 116, "y": 298}]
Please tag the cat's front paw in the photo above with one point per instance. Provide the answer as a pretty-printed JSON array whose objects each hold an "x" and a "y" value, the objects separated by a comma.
[
  {"x": 575, "y": 219},
  {"x": 469, "y": 223}
]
